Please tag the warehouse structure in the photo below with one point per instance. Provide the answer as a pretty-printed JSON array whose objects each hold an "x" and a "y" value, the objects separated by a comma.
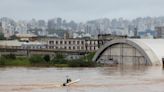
[{"x": 132, "y": 51}]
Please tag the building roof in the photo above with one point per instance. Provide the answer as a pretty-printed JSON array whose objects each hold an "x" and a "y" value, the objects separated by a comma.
[
  {"x": 17, "y": 43},
  {"x": 151, "y": 49},
  {"x": 10, "y": 43},
  {"x": 33, "y": 43},
  {"x": 156, "y": 45},
  {"x": 26, "y": 35}
]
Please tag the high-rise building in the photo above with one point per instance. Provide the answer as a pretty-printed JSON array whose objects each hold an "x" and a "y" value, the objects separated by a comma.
[
  {"x": 160, "y": 32},
  {"x": 51, "y": 24},
  {"x": 1, "y": 29},
  {"x": 135, "y": 32}
]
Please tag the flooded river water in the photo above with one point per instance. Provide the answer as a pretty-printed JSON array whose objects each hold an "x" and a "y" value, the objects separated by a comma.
[{"x": 101, "y": 79}]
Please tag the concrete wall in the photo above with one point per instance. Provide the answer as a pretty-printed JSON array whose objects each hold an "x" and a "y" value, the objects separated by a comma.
[{"x": 123, "y": 54}]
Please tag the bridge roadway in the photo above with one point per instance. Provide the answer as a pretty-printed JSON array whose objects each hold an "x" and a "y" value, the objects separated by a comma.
[{"x": 21, "y": 51}]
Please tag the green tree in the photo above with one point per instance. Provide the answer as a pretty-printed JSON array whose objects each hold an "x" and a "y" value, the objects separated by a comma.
[
  {"x": 36, "y": 59},
  {"x": 10, "y": 56},
  {"x": 2, "y": 36},
  {"x": 88, "y": 57},
  {"x": 47, "y": 58},
  {"x": 3, "y": 60},
  {"x": 59, "y": 59},
  {"x": 85, "y": 61}
]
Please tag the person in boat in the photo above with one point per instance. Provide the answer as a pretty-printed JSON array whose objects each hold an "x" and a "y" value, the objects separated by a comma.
[{"x": 68, "y": 80}]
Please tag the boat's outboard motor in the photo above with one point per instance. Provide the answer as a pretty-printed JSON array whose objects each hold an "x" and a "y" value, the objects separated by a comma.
[{"x": 64, "y": 84}]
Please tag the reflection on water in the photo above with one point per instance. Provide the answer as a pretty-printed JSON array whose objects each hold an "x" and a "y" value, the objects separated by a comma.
[{"x": 101, "y": 79}]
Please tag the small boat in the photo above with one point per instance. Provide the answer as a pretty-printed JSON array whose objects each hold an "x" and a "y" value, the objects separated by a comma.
[{"x": 72, "y": 82}]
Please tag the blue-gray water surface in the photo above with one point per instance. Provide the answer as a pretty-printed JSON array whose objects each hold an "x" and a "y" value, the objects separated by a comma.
[{"x": 100, "y": 79}]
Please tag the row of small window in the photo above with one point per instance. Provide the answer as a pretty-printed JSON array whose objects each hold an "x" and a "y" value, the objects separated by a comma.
[
  {"x": 92, "y": 42},
  {"x": 66, "y": 42},
  {"x": 74, "y": 48},
  {"x": 69, "y": 47},
  {"x": 92, "y": 48},
  {"x": 33, "y": 47}
]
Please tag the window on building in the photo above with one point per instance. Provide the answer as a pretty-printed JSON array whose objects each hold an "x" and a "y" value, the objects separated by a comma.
[
  {"x": 69, "y": 42},
  {"x": 65, "y": 42},
  {"x": 94, "y": 42},
  {"x": 51, "y": 47},
  {"x": 78, "y": 42},
  {"x": 73, "y": 42},
  {"x": 56, "y": 42},
  {"x": 61, "y": 42},
  {"x": 73, "y": 47},
  {"x": 82, "y": 42},
  {"x": 51, "y": 42},
  {"x": 69, "y": 48},
  {"x": 82, "y": 48}
]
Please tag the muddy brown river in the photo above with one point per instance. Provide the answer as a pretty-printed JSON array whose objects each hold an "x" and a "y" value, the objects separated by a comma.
[{"x": 101, "y": 79}]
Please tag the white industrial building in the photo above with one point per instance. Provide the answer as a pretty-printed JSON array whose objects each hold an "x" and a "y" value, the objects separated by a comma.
[
  {"x": 132, "y": 51},
  {"x": 73, "y": 44}
]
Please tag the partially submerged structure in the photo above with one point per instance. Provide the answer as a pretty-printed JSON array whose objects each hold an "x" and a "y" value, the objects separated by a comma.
[{"x": 132, "y": 51}]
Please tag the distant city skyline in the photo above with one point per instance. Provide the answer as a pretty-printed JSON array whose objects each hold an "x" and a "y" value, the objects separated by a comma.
[{"x": 80, "y": 10}]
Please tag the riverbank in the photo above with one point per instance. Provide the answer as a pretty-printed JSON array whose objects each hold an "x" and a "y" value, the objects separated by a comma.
[{"x": 45, "y": 61}]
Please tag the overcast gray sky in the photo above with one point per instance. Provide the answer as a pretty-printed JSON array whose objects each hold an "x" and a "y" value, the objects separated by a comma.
[{"x": 80, "y": 10}]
